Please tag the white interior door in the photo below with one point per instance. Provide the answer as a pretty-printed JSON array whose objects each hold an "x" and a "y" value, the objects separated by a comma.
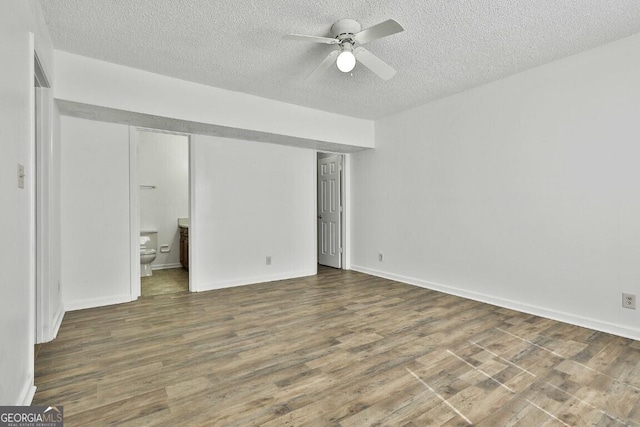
[{"x": 329, "y": 211}]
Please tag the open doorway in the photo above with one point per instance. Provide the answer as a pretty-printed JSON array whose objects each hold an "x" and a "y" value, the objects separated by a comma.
[
  {"x": 161, "y": 217},
  {"x": 330, "y": 209}
]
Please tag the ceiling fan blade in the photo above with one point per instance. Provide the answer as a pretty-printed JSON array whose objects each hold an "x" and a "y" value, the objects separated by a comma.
[
  {"x": 375, "y": 64},
  {"x": 378, "y": 31},
  {"x": 324, "y": 65},
  {"x": 312, "y": 39}
]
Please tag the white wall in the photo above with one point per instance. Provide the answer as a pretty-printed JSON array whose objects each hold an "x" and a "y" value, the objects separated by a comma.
[
  {"x": 49, "y": 311},
  {"x": 17, "y": 19},
  {"x": 95, "y": 213},
  {"x": 163, "y": 161},
  {"x": 251, "y": 200},
  {"x": 90, "y": 81},
  {"x": 523, "y": 192}
]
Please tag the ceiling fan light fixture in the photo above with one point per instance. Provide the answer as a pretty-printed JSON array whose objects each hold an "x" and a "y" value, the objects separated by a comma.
[
  {"x": 346, "y": 60},
  {"x": 348, "y": 33}
]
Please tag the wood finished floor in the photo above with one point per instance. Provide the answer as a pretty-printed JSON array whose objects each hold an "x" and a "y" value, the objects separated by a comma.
[
  {"x": 167, "y": 281},
  {"x": 338, "y": 349}
]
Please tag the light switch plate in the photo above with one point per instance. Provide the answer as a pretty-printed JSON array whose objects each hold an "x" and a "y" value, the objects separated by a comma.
[{"x": 20, "y": 176}]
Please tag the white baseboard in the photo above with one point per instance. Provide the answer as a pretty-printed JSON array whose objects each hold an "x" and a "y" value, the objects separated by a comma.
[
  {"x": 97, "y": 302},
  {"x": 165, "y": 266},
  {"x": 57, "y": 321},
  {"x": 255, "y": 279},
  {"x": 26, "y": 396},
  {"x": 598, "y": 325}
]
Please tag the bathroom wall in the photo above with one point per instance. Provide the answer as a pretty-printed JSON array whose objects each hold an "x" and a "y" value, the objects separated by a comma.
[{"x": 163, "y": 161}]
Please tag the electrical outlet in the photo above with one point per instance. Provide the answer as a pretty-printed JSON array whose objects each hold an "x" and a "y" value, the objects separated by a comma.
[
  {"x": 629, "y": 301},
  {"x": 268, "y": 259},
  {"x": 380, "y": 257}
]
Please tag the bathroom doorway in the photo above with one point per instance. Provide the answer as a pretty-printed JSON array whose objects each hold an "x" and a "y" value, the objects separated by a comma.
[{"x": 160, "y": 212}]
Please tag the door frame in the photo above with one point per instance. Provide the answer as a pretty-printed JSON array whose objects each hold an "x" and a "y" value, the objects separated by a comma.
[
  {"x": 345, "y": 195},
  {"x": 134, "y": 205},
  {"x": 40, "y": 165}
]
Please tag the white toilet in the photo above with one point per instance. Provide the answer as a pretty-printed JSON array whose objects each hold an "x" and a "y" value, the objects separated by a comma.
[{"x": 148, "y": 246}]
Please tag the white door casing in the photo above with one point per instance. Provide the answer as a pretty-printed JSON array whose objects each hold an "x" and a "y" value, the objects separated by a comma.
[
  {"x": 42, "y": 191},
  {"x": 329, "y": 211}
]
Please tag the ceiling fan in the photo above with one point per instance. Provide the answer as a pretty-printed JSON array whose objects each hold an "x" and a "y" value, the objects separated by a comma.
[{"x": 348, "y": 35}]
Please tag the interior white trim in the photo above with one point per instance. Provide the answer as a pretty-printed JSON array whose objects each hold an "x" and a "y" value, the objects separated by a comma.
[
  {"x": 193, "y": 223},
  {"x": 166, "y": 266},
  {"x": 134, "y": 215},
  {"x": 598, "y": 325},
  {"x": 134, "y": 209},
  {"x": 57, "y": 322},
  {"x": 315, "y": 203},
  {"x": 43, "y": 192},
  {"x": 30, "y": 186},
  {"x": 345, "y": 194},
  {"x": 98, "y": 302},
  {"x": 346, "y": 214},
  {"x": 26, "y": 396},
  {"x": 256, "y": 279}
]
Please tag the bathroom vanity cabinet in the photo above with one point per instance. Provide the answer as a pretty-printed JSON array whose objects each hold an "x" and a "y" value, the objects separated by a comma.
[{"x": 184, "y": 247}]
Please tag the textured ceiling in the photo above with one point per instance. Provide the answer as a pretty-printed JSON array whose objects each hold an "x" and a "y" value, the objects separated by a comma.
[{"x": 447, "y": 46}]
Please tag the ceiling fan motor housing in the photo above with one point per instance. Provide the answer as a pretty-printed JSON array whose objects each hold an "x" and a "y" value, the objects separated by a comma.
[{"x": 345, "y": 29}]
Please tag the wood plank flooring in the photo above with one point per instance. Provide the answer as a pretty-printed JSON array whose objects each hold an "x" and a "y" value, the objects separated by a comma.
[
  {"x": 337, "y": 349},
  {"x": 166, "y": 281}
]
